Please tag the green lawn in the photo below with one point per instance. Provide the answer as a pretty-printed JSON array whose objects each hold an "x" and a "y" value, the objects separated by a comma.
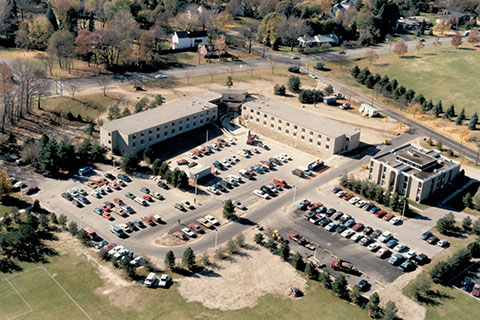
[
  {"x": 443, "y": 73},
  {"x": 81, "y": 280}
]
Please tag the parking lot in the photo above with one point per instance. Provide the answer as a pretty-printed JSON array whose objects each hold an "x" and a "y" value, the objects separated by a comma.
[{"x": 333, "y": 246}]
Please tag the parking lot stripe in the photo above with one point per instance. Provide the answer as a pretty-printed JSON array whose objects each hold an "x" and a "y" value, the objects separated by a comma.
[{"x": 379, "y": 283}]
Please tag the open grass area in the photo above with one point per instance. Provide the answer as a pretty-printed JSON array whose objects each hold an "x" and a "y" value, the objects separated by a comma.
[
  {"x": 442, "y": 73},
  {"x": 82, "y": 280},
  {"x": 279, "y": 75},
  {"x": 88, "y": 106}
]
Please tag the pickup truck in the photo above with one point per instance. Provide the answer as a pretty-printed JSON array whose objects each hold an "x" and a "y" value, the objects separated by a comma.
[{"x": 204, "y": 222}]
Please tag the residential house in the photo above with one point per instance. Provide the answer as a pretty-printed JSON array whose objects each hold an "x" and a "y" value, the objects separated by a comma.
[
  {"x": 342, "y": 7},
  {"x": 185, "y": 40},
  {"x": 318, "y": 40}
]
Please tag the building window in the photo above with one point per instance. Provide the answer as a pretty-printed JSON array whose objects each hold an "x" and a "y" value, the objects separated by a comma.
[
  {"x": 273, "y": 118},
  {"x": 257, "y": 120},
  {"x": 251, "y": 117},
  {"x": 194, "y": 116},
  {"x": 141, "y": 134},
  {"x": 158, "y": 128},
  {"x": 319, "y": 143},
  {"x": 141, "y": 141},
  {"x": 286, "y": 132},
  {"x": 303, "y": 129},
  {"x": 258, "y": 112},
  {"x": 188, "y": 119},
  {"x": 150, "y": 131},
  {"x": 319, "y": 136},
  {"x": 295, "y": 127},
  {"x": 188, "y": 126},
  {"x": 302, "y": 138},
  {"x": 134, "y": 144},
  {"x": 264, "y": 115},
  {"x": 328, "y": 139},
  {"x": 279, "y": 128},
  {"x": 180, "y": 128},
  {"x": 208, "y": 118},
  {"x": 272, "y": 125},
  {"x": 201, "y": 120},
  {"x": 347, "y": 138},
  {"x": 311, "y": 133},
  {"x": 327, "y": 147},
  {"x": 109, "y": 134},
  {"x": 294, "y": 134},
  {"x": 173, "y": 124},
  {"x": 194, "y": 123},
  {"x": 279, "y": 121},
  {"x": 158, "y": 135},
  {"x": 244, "y": 108},
  {"x": 310, "y": 140},
  {"x": 134, "y": 136},
  {"x": 264, "y": 123},
  {"x": 179, "y": 121},
  {"x": 149, "y": 138},
  {"x": 173, "y": 131},
  {"x": 165, "y": 133},
  {"x": 288, "y": 124}
]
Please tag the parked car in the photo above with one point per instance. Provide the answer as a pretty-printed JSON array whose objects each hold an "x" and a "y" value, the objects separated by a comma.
[
  {"x": 260, "y": 194},
  {"x": 179, "y": 206},
  {"x": 373, "y": 246},
  {"x": 212, "y": 220},
  {"x": 164, "y": 281},
  {"x": 189, "y": 232},
  {"x": 195, "y": 227},
  {"x": 426, "y": 235},
  {"x": 443, "y": 243},
  {"x": 145, "y": 190},
  {"x": 363, "y": 285},
  {"x": 391, "y": 243},
  {"x": 130, "y": 195},
  {"x": 432, "y": 239}
]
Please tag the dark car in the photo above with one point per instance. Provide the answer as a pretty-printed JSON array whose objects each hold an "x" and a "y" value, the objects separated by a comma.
[
  {"x": 367, "y": 230},
  {"x": 308, "y": 215},
  {"x": 267, "y": 190},
  {"x": 374, "y": 209},
  {"x": 321, "y": 209},
  {"x": 368, "y": 206},
  {"x": 363, "y": 285},
  {"x": 109, "y": 176},
  {"x": 432, "y": 239},
  {"x": 467, "y": 284},
  {"x": 422, "y": 259},
  {"x": 132, "y": 225},
  {"x": 407, "y": 265},
  {"x": 331, "y": 211},
  {"x": 67, "y": 196},
  {"x": 376, "y": 233},
  {"x": 162, "y": 185},
  {"x": 426, "y": 235},
  {"x": 77, "y": 203},
  {"x": 139, "y": 223},
  {"x": 123, "y": 177},
  {"x": 325, "y": 221},
  {"x": 336, "y": 190},
  {"x": 341, "y": 228}
]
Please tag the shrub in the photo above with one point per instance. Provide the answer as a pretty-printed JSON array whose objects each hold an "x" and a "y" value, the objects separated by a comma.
[
  {"x": 294, "y": 69},
  {"x": 279, "y": 90},
  {"x": 294, "y": 83},
  {"x": 321, "y": 66}
]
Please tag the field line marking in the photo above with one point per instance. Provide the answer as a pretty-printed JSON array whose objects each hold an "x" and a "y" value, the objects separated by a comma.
[
  {"x": 23, "y": 299},
  {"x": 68, "y": 295}
]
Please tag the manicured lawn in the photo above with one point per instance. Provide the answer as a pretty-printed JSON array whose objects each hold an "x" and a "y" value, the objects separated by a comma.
[
  {"x": 82, "y": 281},
  {"x": 442, "y": 73},
  {"x": 91, "y": 106}
]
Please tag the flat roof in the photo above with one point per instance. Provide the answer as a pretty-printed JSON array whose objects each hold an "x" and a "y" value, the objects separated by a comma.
[
  {"x": 162, "y": 114},
  {"x": 416, "y": 161},
  {"x": 303, "y": 118}
]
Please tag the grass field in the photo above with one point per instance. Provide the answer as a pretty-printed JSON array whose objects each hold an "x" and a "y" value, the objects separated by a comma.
[
  {"x": 81, "y": 280},
  {"x": 91, "y": 105},
  {"x": 442, "y": 73}
]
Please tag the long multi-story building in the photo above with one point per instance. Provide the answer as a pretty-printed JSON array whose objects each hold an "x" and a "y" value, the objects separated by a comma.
[
  {"x": 412, "y": 171},
  {"x": 301, "y": 127},
  {"x": 140, "y": 130}
]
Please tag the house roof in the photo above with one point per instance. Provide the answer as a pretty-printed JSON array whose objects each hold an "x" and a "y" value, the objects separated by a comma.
[
  {"x": 301, "y": 117},
  {"x": 191, "y": 34},
  {"x": 181, "y": 34}
]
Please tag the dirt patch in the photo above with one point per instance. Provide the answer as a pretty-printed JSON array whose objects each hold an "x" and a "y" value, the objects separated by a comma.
[
  {"x": 168, "y": 240},
  {"x": 407, "y": 308},
  {"x": 241, "y": 282}
]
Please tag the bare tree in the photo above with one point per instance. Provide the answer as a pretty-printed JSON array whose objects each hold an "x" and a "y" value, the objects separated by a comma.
[
  {"x": 249, "y": 33},
  {"x": 420, "y": 45},
  {"x": 28, "y": 75},
  {"x": 72, "y": 87},
  {"x": 272, "y": 62},
  {"x": 473, "y": 37},
  {"x": 371, "y": 55},
  {"x": 47, "y": 61},
  {"x": 6, "y": 86},
  {"x": 103, "y": 82},
  {"x": 400, "y": 48},
  {"x": 291, "y": 28}
]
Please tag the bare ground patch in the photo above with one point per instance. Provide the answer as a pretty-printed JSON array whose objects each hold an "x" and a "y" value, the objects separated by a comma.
[
  {"x": 168, "y": 240},
  {"x": 239, "y": 283}
]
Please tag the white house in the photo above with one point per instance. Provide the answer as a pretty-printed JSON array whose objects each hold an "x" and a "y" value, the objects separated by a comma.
[
  {"x": 185, "y": 40},
  {"x": 342, "y": 6},
  {"x": 368, "y": 110},
  {"x": 318, "y": 40}
]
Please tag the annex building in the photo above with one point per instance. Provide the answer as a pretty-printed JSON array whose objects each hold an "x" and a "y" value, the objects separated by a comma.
[
  {"x": 140, "y": 130},
  {"x": 299, "y": 126},
  {"x": 413, "y": 171}
]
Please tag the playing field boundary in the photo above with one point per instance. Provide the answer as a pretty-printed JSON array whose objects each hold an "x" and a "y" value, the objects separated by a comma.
[{"x": 54, "y": 280}]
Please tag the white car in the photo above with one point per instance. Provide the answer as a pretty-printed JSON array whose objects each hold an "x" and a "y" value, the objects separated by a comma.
[
  {"x": 231, "y": 141},
  {"x": 191, "y": 155},
  {"x": 354, "y": 200},
  {"x": 120, "y": 253},
  {"x": 340, "y": 193},
  {"x": 95, "y": 194},
  {"x": 160, "y": 76},
  {"x": 395, "y": 220},
  {"x": 136, "y": 261},
  {"x": 409, "y": 255},
  {"x": 261, "y": 194},
  {"x": 387, "y": 235},
  {"x": 442, "y": 243},
  {"x": 107, "y": 189},
  {"x": 373, "y": 246},
  {"x": 115, "y": 250},
  {"x": 150, "y": 279},
  {"x": 347, "y": 233},
  {"x": 329, "y": 226},
  {"x": 212, "y": 220},
  {"x": 234, "y": 158},
  {"x": 357, "y": 236},
  {"x": 243, "y": 153},
  {"x": 164, "y": 280},
  {"x": 400, "y": 247},
  {"x": 239, "y": 205},
  {"x": 226, "y": 164},
  {"x": 360, "y": 203},
  {"x": 286, "y": 156},
  {"x": 313, "y": 76},
  {"x": 140, "y": 201},
  {"x": 188, "y": 232},
  {"x": 213, "y": 190},
  {"x": 18, "y": 185},
  {"x": 255, "y": 150},
  {"x": 232, "y": 181}
]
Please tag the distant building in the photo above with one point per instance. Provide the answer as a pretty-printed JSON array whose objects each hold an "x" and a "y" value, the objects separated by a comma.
[
  {"x": 412, "y": 23},
  {"x": 140, "y": 130},
  {"x": 318, "y": 40},
  {"x": 454, "y": 17},
  {"x": 342, "y": 7},
  {"x": 285, "y": 122},
  {"x": 368, "y": 110},
  {"x": 412, "y": 171},
  {"x": 185, "y": 40}
]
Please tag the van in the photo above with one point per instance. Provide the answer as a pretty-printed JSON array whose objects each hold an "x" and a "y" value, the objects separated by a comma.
[
  {"x": 150, "y": 280},
  {"x": 298, "y": 173},
  {"x": 85, "y": 170},
  {"x": 116, "y": 230}
]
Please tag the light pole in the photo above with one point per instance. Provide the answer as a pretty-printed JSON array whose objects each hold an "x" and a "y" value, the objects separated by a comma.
[{"x": 294, "y": 193}]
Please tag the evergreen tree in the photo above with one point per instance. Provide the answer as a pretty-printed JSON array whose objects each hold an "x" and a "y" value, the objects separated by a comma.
[
  {"x": 355, "y": 295},
  {"x": 148, "y": 154},
  {"x": 473, "y": 122},
  {"x": 460, "y": 117},
  {"x": 297, "y": 262},
  {"x": 284, "y": 251},
  {"x": 126, "y": 112},
  {"x": 228, "y": 210},
  {"x": 438, "y": 109},
  {"x": 73, "y": 228},
  {"x": 311, "y": 271},
  {"x": 294, "y": 83},
  {"x": 450, "y": 113},
  {"x": 354, "y": 72},
  {"x": 340, "y": 287},
  {"x": 170, "y": 260},
  {"x": 363, "y": 76},
  {"x": 189, "y": 259},
  {"x": 229, "y": 82},
  {"x": 258, "y": 238},
  {"x": 49, "y": 159},
  {"x": 130, "y": 162},
  {"x": 156, "y": 166},
  {"x": 394, "y": 84},
  {"x": 373, "y": 306},
  {"x": 467, "y": 223},
  {"x": 326, "y": 279}
]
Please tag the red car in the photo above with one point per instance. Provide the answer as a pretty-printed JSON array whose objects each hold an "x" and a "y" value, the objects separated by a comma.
[
  {"x": 110, "y": 245},
  {"x": 107, "y": 215},
  {"x": 155, "y": 217},
  {"x": 147, "y": 220},
  {"x": 105, "y": 208},
  {"x": 120, "y": 182},
  {"x": 147, "y": 198},
  {"x": 197, "y": 153},
  {"x": 250, "y": 171},
  {"x": 380, "y": 213},
  {"x": 388, "y": 217},
  {"x": 118, "y": 201},
  {"x": 182, "y": 162},
  {"x": 358, "y": 226},
  {"x": 114, "y": 185},
  {"x": 195, "y": 227},
  {"x": 180, "y": 235},
  {"x": 347, "y": 197},
  {"x": 314, "y": 206}
]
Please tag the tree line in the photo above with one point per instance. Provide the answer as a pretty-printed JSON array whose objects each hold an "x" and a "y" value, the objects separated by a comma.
[
  {"x": 390, "y": 88},
  {"x": 48, "y": 154},
  {"x": 374, "y": 192}
]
